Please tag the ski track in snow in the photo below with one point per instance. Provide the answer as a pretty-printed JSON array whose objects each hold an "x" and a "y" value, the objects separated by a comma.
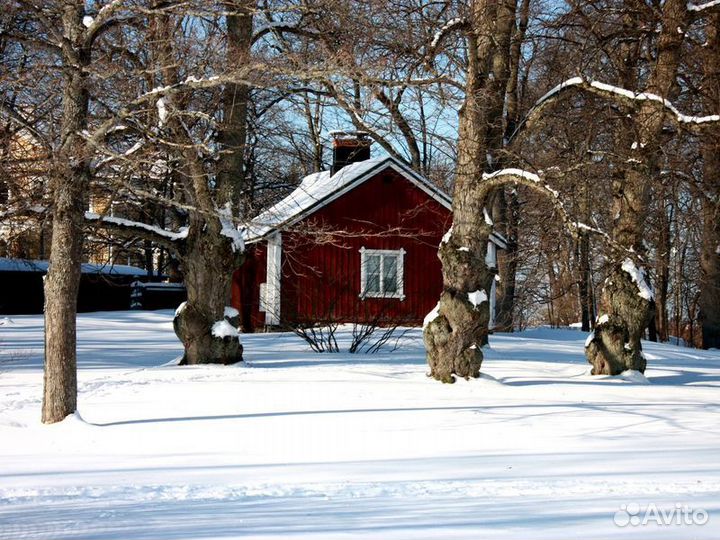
[{"x": 294, "y": 444}]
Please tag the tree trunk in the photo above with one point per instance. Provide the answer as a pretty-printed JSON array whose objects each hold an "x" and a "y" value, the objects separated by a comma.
[
  {"x": 207, "y": 268},
  {"x": 454, "y": 337},
  {"x": 208, "y": 257},
  {"x": 662, "y": 272},
  {"x": 627, "y": 303},
  {"x": 232, "y": 134},
  {"x": 585, "y": 277},
  {"x": 710, "y": 254},
  {"x": 710, "y": 267},
  {"x": 615, "y": 345},
  {"x": 507, "y": 258},
  {"x": 70, "y": 182},
  {"x": 507, "y": 270}
]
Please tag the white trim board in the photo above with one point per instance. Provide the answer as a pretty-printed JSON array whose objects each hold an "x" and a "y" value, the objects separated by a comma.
[{"x": 273, "y": 280}]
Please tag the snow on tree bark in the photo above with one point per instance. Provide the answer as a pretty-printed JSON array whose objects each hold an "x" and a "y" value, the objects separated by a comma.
[
  {"x": 207, "y": 294},
  {"x": 211, "y": 251},
  {"x": 455, "y": 337},
  {"x": 616, "y": 344}
]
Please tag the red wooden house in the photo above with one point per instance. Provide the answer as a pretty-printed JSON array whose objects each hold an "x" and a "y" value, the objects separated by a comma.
[{"x": 355, "y": 244}]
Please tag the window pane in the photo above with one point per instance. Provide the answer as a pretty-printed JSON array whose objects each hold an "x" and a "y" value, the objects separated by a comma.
[
  {"x": 372, "y": 274},
  {"x": 390, "y": 277}
]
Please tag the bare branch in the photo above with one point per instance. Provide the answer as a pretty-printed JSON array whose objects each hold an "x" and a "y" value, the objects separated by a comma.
[{"x": 537, "y": 183}]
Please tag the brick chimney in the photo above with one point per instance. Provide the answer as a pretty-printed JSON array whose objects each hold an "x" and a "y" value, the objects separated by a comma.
[{"x": 349, "y": 147}]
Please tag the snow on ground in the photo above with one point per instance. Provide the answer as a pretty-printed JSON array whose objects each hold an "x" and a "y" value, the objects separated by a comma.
[{"x": 294, "y": 444}]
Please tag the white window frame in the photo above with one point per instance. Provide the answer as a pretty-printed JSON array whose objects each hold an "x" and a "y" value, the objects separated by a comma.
[{"x": 399, "y": 255}]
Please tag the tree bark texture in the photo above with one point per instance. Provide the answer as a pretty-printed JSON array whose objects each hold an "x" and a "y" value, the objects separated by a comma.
[
  {"x": 616, "y": 346},
  {"x": 628, "y": 313},
  {"x": 662, "y": 272},
  {"x": 454, "y": 338},
  {"x": 70, "y": 180},
  {"x": 585, "y": 282},
  {"x": 207, "y": 256},
  {"x": 710, "y": 256},
  {"x": 208, "y": 267},
  {"x": 510, "y": 206},
  {"x": 232, "y": 134}
]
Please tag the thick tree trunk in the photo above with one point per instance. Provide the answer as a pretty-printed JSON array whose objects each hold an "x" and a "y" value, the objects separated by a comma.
[
  {"x": 209, "y": 257},
  {"x": 207, "y": 268},
  {"x": 615, "y": 345},
  {"x": 232, "y": 135},
  {"x": 69, "y": 188},
  {"x": 455, "y": 334},
  {"x": 710, "y": 256},
  {"x": 454, "y": 338}
]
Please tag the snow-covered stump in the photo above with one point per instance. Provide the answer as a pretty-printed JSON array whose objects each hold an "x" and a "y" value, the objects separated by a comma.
[
  {"x": 456, "y": 330},
  {"x": 207, "y": 341},
  {"x": 615, "y": 344}
]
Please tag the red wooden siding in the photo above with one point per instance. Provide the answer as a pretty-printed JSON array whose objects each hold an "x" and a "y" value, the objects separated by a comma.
[
  {"x": 322, "y": 281},
  {"x": 246, "y": 287}
]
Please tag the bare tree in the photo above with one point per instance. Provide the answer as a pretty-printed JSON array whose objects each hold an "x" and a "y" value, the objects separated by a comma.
[
  {"x": 116, "y": 122},
  {"x": 454, "y": 336},
  {"x": 457, "y": 330},
  {"x": 710, "y": 148}
]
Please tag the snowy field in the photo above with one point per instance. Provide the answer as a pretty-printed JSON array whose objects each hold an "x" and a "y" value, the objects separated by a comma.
[{"x": 298, "y": 445}]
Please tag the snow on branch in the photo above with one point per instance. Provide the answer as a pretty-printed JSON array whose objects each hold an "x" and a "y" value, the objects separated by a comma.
[
  {"x": 115, "y": 157},
  {"x": 95, "y": 24},
  {"x": 190, "y": 82},
  {"x": 138, "y": 227},
  {"x": 642, "y": 96},
  {"x": 169, "y": 238},
  {"x": 594, "y": 230},
  {"x": 537, "y": 183},
  {"x": 152, "y": 96},
  {"x": 615, "y": 93},
  {"x": 448, "y": 27},
  {"x": 702, "y": 7},
  {"x": 532, "y": 180},
  {"x": 513, "y": 172}
]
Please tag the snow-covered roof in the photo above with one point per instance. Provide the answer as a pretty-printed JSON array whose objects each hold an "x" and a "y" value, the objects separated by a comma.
[
  {"x": 319, "y": 189},
  {"x": 26, "y": 265}
]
